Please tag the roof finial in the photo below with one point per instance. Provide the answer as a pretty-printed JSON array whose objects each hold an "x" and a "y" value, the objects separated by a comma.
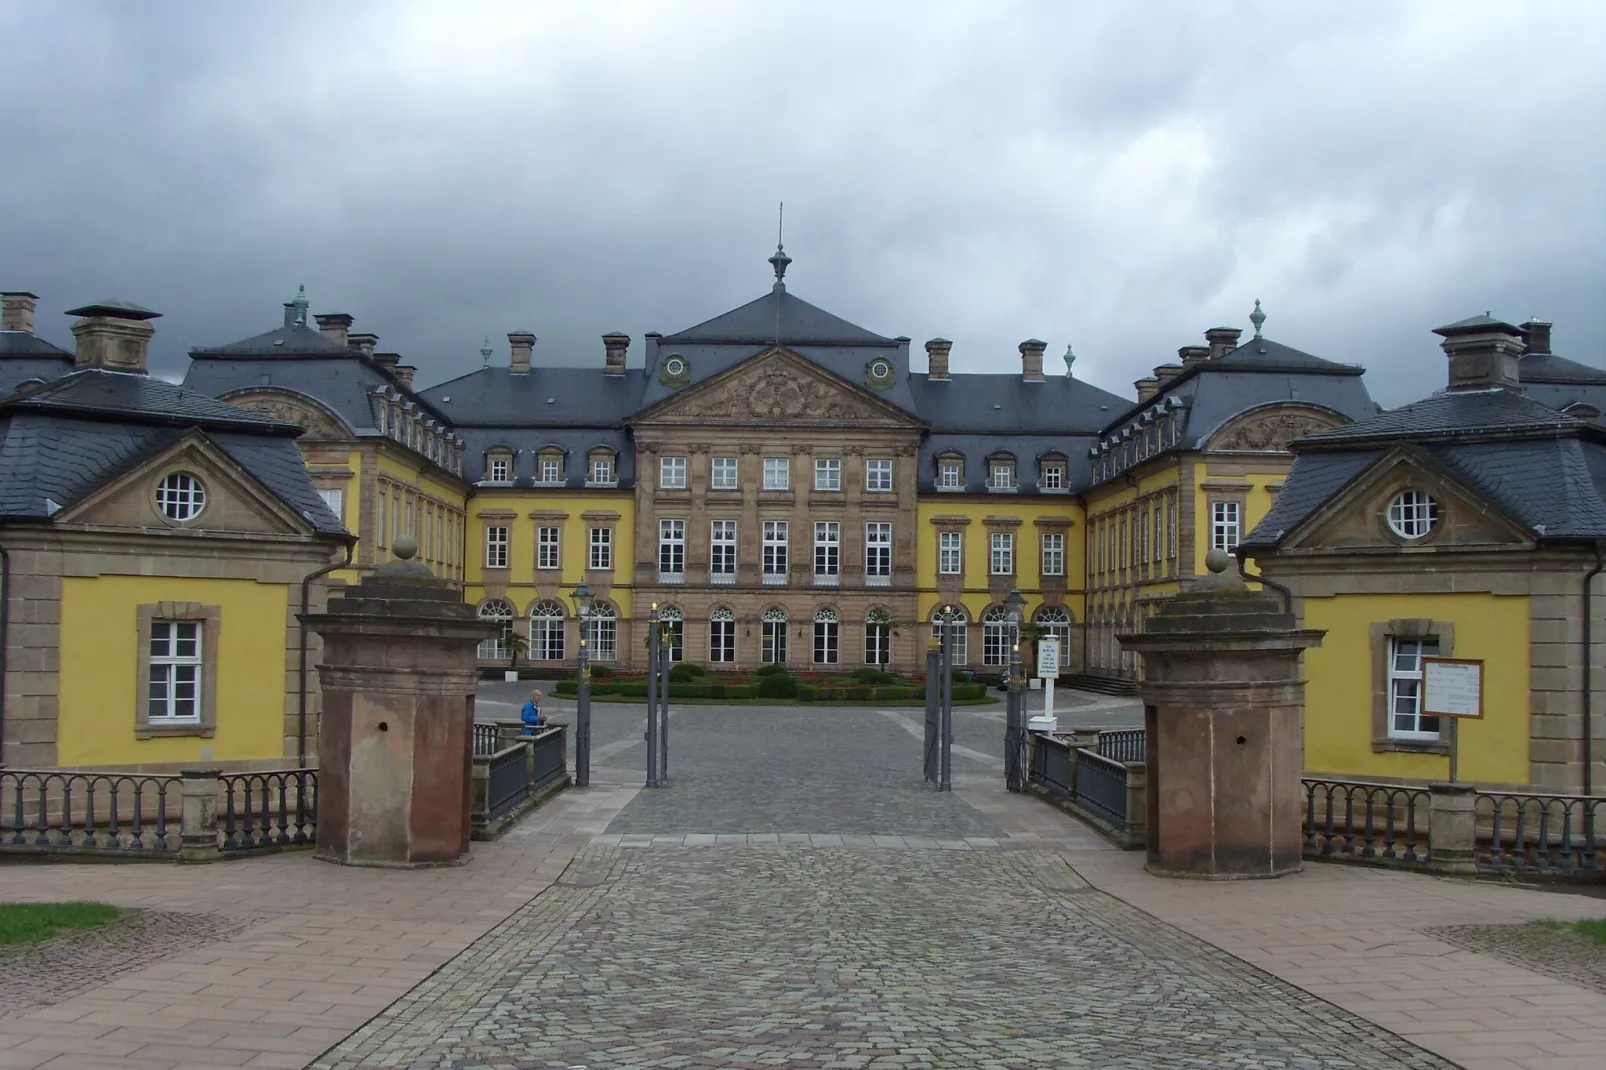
[
  {"x": 1257, "y": 317},
  {"x": 485, "y": 352},
  {"x": 1070, "y": 358},
  {"x": 300, "y": 304},
  {"x": 780, "y": 259}
]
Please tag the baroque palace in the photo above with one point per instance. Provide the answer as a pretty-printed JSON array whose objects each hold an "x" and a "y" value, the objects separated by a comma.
[{"x": 787, "y": 488}]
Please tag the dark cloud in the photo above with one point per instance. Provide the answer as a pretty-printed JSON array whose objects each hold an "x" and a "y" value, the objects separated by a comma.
[{"x": 1118, "y": 176}]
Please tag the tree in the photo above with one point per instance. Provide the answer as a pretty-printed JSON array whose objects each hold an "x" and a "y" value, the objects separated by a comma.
[{"x": 516, "y": 643}]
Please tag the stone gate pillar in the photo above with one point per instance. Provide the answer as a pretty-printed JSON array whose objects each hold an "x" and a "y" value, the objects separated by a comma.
[
  {"x": 396, "y": 739},
  {"x": 1224, "y": 703}
]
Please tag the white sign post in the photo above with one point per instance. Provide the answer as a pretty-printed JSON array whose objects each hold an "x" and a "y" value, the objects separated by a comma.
[
  {"x": 1048, "y": 670},
  {"x": 1453, "y": 688}
]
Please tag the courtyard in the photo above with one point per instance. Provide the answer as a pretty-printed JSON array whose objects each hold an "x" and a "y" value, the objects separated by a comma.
[{"x": 797, "y": 896}]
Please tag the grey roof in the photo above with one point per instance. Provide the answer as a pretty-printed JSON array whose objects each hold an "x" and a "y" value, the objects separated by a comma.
[
  {"x": 24, "y": 356},
  {"x": 1452, "y": 413},
  {"x": 1026, "y": 448},
  {"x": 527, "y": 442},
  {"x": 1311, "y": 481},
  {"x": 297, "y": 338},
  {"x": 1549, "y": 368},
  {"x": 97, "y": 391},
  {"x": 778, "y": 317},
  {"x": 1008, "y": 404},
  {"x": 847, "y": 362},
  {"x": 545, "y": 397},
  {"x": 342, "y": 382},
  {"x": 1475, "y": 325},
  {"x": 116, "y": 308}
]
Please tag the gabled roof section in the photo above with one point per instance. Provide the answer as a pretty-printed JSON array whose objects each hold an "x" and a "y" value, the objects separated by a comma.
[
  {"x": 1452, "y": 414},
  {"x": 134, "y": 398},
  {"x": 296, "y": 339},
  {"x": 778, "y": 317},
  {"x": 1549, "y": 368}
]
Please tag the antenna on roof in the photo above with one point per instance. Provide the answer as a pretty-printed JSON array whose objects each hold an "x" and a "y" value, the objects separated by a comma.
[{"x": 779, "y": 262}]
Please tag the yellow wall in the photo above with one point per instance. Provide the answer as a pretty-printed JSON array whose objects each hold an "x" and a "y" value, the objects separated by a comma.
[
  {"x": 1028, "y": 547},
  {"x": 1257, "y": 503},
  {"x": 1338, "y": 692},
  {"x": 99, "y": 670},
  {"x": 520, "y": 574}
]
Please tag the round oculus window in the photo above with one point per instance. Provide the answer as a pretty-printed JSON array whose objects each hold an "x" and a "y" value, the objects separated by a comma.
[
  {"x": 1412, "y": 514},
  {"x": 180, "y": 496},
  {"x": 675, "y": 366},
  {"x": 880, "y": 369}
]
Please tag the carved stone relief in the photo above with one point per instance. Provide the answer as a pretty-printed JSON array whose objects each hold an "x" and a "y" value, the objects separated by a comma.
[{"x": 1273, "y": 430}]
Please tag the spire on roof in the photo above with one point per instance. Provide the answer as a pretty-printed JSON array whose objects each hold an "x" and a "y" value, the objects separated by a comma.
[
  {"x": 295, "y": 312},
  {"x": 485, "y": 351},
  {"x": 1257, "y": 317},
  {"x": 1070, "y": 359},
  {"x": 780, "y": 260}
]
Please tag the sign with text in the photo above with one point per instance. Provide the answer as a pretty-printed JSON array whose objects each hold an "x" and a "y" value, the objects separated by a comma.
[
  {"x": 1048, "y": 657},
  {"x": 1452, "y": 687}
]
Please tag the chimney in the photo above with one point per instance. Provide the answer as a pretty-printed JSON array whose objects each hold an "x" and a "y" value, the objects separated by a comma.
[
  {"x": 1167, "y": 372},
  {"x": 522, "y": 344},
  {"x": 1031, "y": 360},
  {"x": 615, "y": 346},
  {"x": 1222, "y": 340},
  {"x": 1147, "y": 388},
  {"x": 937, "y": 358},
  {"x": 363, "y": 342},
  {"x": 16, "y": 311},
  {"x": 387, "y": 361},
  {"x": 1536, "y": 333},
  {"x": 1193, "y": 354},
  {"x": 1483, "y": 353},
  {"x": 335, "y": 327},
  {"x": 113, "y": 334},
  {"x": 404, "y": 374}
]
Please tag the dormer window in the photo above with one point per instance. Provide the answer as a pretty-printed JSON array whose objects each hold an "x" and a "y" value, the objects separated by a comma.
[
  {"x": 1051, "y": 477},
  {"x": 1001, "y": 473},
  {"x": 601, "y": 471},
  {"x": 549, "y": 467},
  {"x": 499, "y": 467},
  {"x": 951, "y": 472}
]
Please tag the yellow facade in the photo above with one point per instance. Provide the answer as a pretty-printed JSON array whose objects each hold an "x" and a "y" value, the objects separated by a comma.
[
  {"x": 99, "y": 658},
  {"x": 521, "y": 582},
  {"x": 1339, "y": 699},
  {"x": 1215, "y": 480}
]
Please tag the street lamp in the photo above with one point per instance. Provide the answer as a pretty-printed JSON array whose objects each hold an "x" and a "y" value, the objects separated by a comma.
[
  {"x": 583, "y": 599},
  {"x": 1015, "y": 708}
]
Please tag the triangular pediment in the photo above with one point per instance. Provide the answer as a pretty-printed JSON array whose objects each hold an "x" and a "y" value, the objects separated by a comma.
[
  {"x": 235, "y": 503},
  {"x": 1356, "y": 518},
  {"x": 776, "y": 387}
]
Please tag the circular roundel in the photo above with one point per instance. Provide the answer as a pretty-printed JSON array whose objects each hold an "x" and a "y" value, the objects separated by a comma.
[
  {"x": 1412, "y": 514},
  {"x": 880, "y": 369},
  {"x": 180, "y": 497},
  {"x": 675, "y": 366}
]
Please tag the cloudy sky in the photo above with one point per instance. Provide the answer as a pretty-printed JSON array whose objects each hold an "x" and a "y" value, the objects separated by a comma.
[{"x": 1116, "y": 175}]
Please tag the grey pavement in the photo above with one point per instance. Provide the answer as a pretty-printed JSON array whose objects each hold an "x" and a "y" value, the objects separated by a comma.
[{"x": 799, "y": 897}]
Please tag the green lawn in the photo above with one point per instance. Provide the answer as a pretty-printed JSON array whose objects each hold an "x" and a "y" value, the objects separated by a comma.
[
  {"x": 1594, "y": 930},
  {"x": 26, "y": 923}
]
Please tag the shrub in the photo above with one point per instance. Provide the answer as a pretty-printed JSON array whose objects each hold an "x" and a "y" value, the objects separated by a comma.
[
  {"x": 859, "y": 694},
  {"x": 631, "y": 690},
  {"x": 963, "y": 676},
  {"x": 806, "y": 692},
  {"x": 601, "y": 672},
  {"x": 697, "y": 691},
  {"x": 970, "y": 691},
  {"x": 770, "y": 670},
  {"x": 870, "y": 675},
  {"x": 741, "y": 691},
  {"x": 568, "y": 687},
  {"x": 682, "y": 673},
  {"x": 777, "y": 685}
]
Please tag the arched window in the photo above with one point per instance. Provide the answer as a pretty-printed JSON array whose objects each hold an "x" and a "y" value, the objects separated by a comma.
[
  {"x": 497, "y": 646},
  {"x": 957, "y": 652},
  {"x": 997, "y": 636},
  {"x": 602, "y": 631},
  {"x": 673, "y": 623},
  {"x": 546, "y": 631},
  {"x": 878, "y": 638},
  {"x": 722, "y": 636},
  {"x": 826, "y": 636},
  {"x": 773, "y": 651},
  {"x": 1056, "y": 622}
]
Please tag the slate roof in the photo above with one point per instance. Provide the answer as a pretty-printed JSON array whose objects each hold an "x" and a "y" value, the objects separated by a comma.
[
  {"x": 545, "y": 397},
  {"x": 61, "y": 443},
  {"x": 576, "y": 443},
  {"x": 25, "y": 356},
  {"x": 778, "y": 317},
  {"x": 1312, "y": 480},
  {"x": 1027, "y": 449},
  {"x": 1009, "y": 405},
  {"x": 1452, "y": 413}
]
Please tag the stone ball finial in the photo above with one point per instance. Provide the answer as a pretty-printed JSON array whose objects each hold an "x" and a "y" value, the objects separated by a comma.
[
  {"x": 405, "y": 547},
  {"x": 1217, "y": 560}
]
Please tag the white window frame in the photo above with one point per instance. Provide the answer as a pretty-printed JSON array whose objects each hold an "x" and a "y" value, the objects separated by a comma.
[
  {"x": 500, "y": 470},
  {"x": 878, "y": 552},
  {"x": 335, "y": 499},
  {"x": 549, "y": 471},
  {"x": 601, "y": 554},
  {"x": 1053, "y": 552},
  {"x": 181, "y": 497},
  {"x": 549, "y": 547},
  {"x": 722, "y": 637},
  {"x": 547, "y": 631},
  {"x": 1405, "y": 687},
  {"x": 1001, "y": 553},
  {"x": 176, "y": 672},
  {"x": 958, "y": 636},
  {"x": 827, "y": 550},
  {"x": 775, "y": 563},
  {"x": 671, "y": 551},
  {"x": 777, "y": 473},
  {"x": 950, "y": 475},
  {"x": 673, "y": 622},
  {"x": 601, "y": 627},
  {"x": 951, "y": 553},
  {"x": 502, "y": 612},
  {"x": 1001, "y": 476},
  {"x": 672, "y": 473},
  {"x": 1226, "y": 524},
  {"x": 773, "y": 625},
  {"x": 496, "y": 546},
  {"x": 724, "y": 473},
  {"x": 827, "y": 648},
  {"x": 878, "y": 475},
  {"x": 1413, "y": 514},
  {"x": 1053, "y": 477},
  {"x": 998, "y": 637},
  {"x": 602, "y": 473},
  {"x": 722, "y": 551},
  {"x": 827, "y": 473}
]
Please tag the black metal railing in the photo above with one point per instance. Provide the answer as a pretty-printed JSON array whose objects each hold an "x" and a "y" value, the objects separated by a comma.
[
  {"x": 547, "y": 758},
  {"x": 273, "y": 808},
  {"x": 1361, "y": 820},
  {"x": 1555, "y": 834},
  {"x": 89, "y": 812},
  {"x": 508, "y": 783},
  {"x": 1101, "y": 786},
  {"x": 1123, "y": 745},
  {"x": 485, "y": 739},
  {"x": 1050, "y": 765}
]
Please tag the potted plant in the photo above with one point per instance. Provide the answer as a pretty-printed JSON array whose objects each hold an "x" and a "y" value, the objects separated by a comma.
[{"x": 515, "y": 643}]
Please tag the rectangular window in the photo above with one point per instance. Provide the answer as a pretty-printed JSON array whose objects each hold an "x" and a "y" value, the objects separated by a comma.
[
  {"x": 722, "y": 474},
  {"x": 777, "y": 473},
  {"x": 551, "y": 470},
  {"x": 827, "y": 473},
  {"x": 671, "y": 550},
  {"x": 501, "y": 470},
  {"x": 1053, "y": 553},
  {"x": 722, "y": 639},
  {"x": 775, "y": 551},
  {"x": 1003, "y": 477},
  {"x": 1226, "y": 519},
  {"x": 1053, "y": 477},
  {"x": 722, "y": 551},
  {"x": 496, "y": 547},
  {"x": 827, "y": 551},
  {"x": 1159, "y": 533},
  {"x": 672, "y": 473},
  {"x": 335, "y": 499},
  {"x": 175, "y": 672},
  {"x": 547, "y": 549},
  {"x": 1002, "y": 561},
  {"x": 950, "y": 553},
  {"x": 1171, "y": 528},
  {"x": 950, "y": 476},
  {"x": 1405, "y": 688},
  {"x": 825, "y": 642},
  {"x": 1121, "y": 546},
  {"x": 877, "y": 643},
  {"x": 878, "y": 553},
  {"x": 383, "y": 527},
  {"x": 773, "y": 651},
  {"x": 602, "y": 470},
  {"x": 601, "y": 549},
  {"x": 878, "y": 475},
  {"x": 603, "y": 627},
  {"x": 1143, "y": 536}
]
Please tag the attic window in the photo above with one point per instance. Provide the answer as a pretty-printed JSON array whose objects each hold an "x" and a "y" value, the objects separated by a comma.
[
  {"x": 180, "y": 497},
  {"x": 675, "y": 366},
  {"x": 1412, "y": 514}
]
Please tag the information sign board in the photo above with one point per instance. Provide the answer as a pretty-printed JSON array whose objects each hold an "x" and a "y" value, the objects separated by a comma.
[
  {"x": 1048, "y": 656},
  {"x": 1452, "y": 687}
]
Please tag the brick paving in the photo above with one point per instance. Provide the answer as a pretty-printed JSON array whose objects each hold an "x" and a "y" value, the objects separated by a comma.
[
  {"x": 1560, "y": 953},
  {"x": 991, "y": 929}
]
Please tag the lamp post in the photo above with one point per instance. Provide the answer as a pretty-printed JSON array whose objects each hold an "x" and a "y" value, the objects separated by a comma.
[
  {"x": 1015, "y": 703},
  {"x": 653, "y": 654},
  {"x": 945, "y": 705},
  {"x": 583, "y": 600}
]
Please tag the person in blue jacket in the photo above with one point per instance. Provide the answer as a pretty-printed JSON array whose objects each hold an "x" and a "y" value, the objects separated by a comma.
[{"x": 531, "y": 713}]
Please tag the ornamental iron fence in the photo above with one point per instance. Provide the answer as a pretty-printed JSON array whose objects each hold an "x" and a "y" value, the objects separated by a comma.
[
  {"x": 1549, "y": 834},
  {"x": 1369, "y": 822}
]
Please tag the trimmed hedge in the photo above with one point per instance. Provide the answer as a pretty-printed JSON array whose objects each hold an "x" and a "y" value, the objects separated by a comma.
[
  {"x": 771, "y": 670},
  {"x": 874, "y": 676},
  {"x": 778, "y": 685},
  {"x": 771, "y": 686}
]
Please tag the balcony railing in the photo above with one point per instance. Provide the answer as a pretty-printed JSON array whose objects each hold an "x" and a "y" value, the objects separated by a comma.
[
  {"x": 671, "y": 579},
  {"x": 722, "y": 579},
  {"x": 827, "y": 579},
  {"x": 775, "y": 579}
]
